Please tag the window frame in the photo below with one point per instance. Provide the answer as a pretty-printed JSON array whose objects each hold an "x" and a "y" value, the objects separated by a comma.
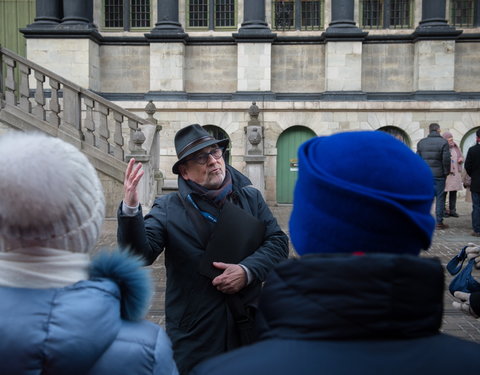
[
  {"x": 127, "y": 17},
  {"x": 475, "y": 15},
  {"x": 385, "y": 17},
  {"x": 211, "y": 18},
  {"x": 297, "y": 16}
]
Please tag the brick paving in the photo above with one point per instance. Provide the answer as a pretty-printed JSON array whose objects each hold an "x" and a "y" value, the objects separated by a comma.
[{"x": 446, "y": 244}]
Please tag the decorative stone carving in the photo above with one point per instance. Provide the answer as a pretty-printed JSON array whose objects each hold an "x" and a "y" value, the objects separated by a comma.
[
  {"x": 150, "y": 109},
  {"x": 138, "y": 138}
]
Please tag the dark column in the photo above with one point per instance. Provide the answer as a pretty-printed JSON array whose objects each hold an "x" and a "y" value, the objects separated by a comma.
[
  {"x": 254, "y": 19},
  {"x": 167, "y": 25},
  {"x": 77, "y": 14},
  {"x": 433, "y": 23},
  {"x": 343, "y": 25},
  {"x": 476, "y": 16},
  {"x": 48, "y": 14}
]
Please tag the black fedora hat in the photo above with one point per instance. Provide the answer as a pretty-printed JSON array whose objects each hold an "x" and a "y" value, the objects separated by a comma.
[{"x": 192, "y": 138}]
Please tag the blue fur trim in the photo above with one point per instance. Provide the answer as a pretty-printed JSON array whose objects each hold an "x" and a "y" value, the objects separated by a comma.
[{"x": 132, "y": 278}]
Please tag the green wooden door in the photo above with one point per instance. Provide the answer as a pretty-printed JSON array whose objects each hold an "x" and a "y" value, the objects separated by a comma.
[
  {"x": 287, "y": 146},
  {"x": 15, "y": 15}
]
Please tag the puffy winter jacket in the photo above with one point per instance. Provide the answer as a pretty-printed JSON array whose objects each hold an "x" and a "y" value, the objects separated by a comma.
[
  {"x": 343, "y": 314},
  {"x": 436, "y": 153},
  {"x": 88, "y": 328}
]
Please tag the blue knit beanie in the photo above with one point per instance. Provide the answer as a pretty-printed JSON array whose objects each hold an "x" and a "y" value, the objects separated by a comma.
[{"x": 361, "y": 191}]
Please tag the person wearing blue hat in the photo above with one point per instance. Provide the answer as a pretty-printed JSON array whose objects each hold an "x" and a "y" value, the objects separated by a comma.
[
  {"x": 220, "y": 241},
  {"x": 358, "y": 299}
]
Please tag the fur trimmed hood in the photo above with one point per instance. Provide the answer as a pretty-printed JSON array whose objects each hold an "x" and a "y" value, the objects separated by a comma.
[{"x": 132, "y": 278}]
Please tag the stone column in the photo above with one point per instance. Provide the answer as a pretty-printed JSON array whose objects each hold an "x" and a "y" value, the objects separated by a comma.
[
  {"x": 254, "y": 154},
  {"x": 167, "y": 50},
  {"x": 343, "y": 50},
  {"x": 77, "y": 14},
  {"x": 254, "y": 54},
  {"x": 74, "y": 42},
  {"x": 167, "y": 13},
  {"x": 434, "y": 60},
  {"x": 48, "y": 14},
  {"x": 254, "y": 17}
]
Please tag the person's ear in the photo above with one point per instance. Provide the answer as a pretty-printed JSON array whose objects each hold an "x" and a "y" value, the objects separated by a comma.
[{"x": 182, "y": 168}]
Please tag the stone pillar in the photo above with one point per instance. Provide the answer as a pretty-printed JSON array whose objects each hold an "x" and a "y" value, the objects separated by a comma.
[
  {"x": 167, "y": 13},
  {"x": 254, "y": 18},
  {"x": 74, "y": 42},
  {"x": 167, "y": 50},
  {"x": 254, "y": 154},
  {"x": 254, "y": 54},
  {"x": 434, "y": 60},
  {"x": 342, "y": 20},
  {"x": 77, "y": 14},
  {"x": 48, "y": 14},
  {"x": 343, "y": 51}
]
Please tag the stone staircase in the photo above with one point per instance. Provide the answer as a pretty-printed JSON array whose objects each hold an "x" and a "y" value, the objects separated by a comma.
[{"x": 35, "y": 99}]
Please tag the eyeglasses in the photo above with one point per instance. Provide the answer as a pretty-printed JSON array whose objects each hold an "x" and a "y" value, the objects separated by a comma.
[{"x": 202, "y": 158}]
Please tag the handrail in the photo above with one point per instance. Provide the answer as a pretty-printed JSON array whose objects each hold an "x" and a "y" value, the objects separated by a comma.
[
  {"x": 65, "y": 105},
  {"x": 80, "y": 116}
]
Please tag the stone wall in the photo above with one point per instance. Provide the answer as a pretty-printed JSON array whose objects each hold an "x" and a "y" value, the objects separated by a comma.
[
  {"x": 124, "y": 68},
  {"x": 298, "y": 68},
  {"x": 467, "y": 67},
  {"x": 387, "y": 67},
  {"x": 211, "y": 68},
  {"x": 324, "y": 118}
]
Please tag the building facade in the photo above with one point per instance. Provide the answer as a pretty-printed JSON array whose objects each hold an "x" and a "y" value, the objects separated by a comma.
[{"x": 270, "y": 74}]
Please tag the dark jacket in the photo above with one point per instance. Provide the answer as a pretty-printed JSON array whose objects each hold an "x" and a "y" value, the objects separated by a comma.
[
  {"x": 436, "y": 153},
  {"x": 88, "y": 328},
  {"x": 197, "y": 318},
  {"x": 472, "y": 167},
  {"x": 341, "y": 314}
]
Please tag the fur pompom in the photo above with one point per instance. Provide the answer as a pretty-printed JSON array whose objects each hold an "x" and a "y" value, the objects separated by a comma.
[{"x": 133, "y": 279}]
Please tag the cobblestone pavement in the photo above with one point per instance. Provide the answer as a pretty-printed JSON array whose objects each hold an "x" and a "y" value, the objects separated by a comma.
[{"x": 446, "y": 244}]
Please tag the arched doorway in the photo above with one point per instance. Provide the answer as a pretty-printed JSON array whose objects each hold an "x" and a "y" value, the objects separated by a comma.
[
  {"x": 219, "y": 133},
  {"x": 397, "y": 133},
  {"x": 468, "y": 141},
  {"x": 287, "y": 167}
]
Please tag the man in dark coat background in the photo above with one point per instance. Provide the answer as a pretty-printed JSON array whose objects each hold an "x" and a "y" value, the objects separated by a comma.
[
  {"x": 198, "y": 310},
  {"x": 359, "y": 300},
  {"x": 436, "y": 153},
  {"x": 472, "y": 167}
]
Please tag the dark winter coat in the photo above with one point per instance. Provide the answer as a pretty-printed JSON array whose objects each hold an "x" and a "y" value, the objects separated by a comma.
[
  {"x": 472, "y": 166},
  {"x": 342, "y": 315},
  {"x": 436, "y": 153},
  {"x": 197, "y": 318},
  {"x": 88, "y": 328}
]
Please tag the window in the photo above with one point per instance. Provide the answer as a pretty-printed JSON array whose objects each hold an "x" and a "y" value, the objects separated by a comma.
[
  {"x": 386, "y": 14},
  {"x": 462, "y": 13},
  {"x": 127, "y": 14},
  {"x": 298, "y": 14},
  {"x": 211, "y": 14}
]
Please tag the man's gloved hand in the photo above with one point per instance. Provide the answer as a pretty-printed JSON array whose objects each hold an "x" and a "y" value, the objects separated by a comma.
[{"x": 464, "y": 304}]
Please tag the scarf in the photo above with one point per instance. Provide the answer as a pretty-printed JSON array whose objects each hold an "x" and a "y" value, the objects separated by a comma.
[
  {"x": 41, "y": 268},
  {"x": 215, "y": 196}
]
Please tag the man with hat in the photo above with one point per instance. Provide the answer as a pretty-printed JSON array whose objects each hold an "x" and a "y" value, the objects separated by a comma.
[
  {"x": 359, "y": 299},
  {"x": 200, "y": 317}
]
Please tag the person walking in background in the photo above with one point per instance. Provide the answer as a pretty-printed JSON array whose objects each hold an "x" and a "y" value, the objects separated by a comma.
[
  {"x": 435, "y": 151},
  {"x": 60, "y": 313},
  {"x": 472, "y": 167},
  {"x": 359, "y": 299},
  {"x": 453, "y": 183},
  {"x": 209, "y": 304}
]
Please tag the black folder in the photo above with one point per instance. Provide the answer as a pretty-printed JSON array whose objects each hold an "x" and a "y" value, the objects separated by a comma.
[{"x": 237, "y": 235}]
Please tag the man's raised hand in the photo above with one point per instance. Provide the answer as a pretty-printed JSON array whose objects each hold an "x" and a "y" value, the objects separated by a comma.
[{"x": 133, "y": 174}]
